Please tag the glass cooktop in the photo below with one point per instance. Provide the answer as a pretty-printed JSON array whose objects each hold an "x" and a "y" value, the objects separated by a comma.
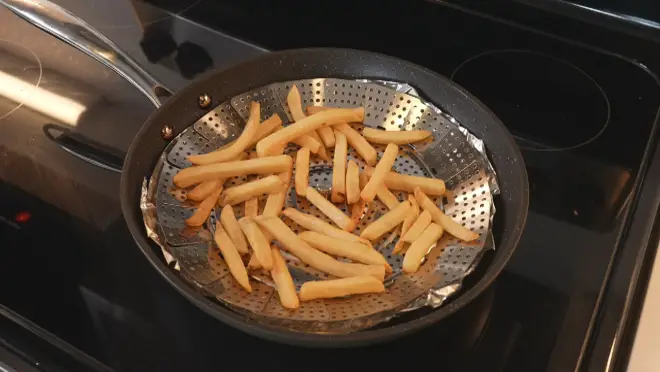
[{"x": 583, "y": 118}]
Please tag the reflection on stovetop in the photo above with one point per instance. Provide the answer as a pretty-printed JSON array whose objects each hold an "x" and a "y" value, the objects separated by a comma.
[{"x": 570, "y": 108}]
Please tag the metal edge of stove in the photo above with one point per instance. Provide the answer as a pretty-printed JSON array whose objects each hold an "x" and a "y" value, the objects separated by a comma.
[
  {"x": 617, "y": 22},
  {"x": 29, "y": 331},
  {"x": 615, "y": 305},
  {"x": 632, "y": 25}
]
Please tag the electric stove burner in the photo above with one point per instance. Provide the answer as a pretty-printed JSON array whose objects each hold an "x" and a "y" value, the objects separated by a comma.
[
  {"x": 146, "y": 15},
  {"x": 549, "y": 104},
  {"x": 20, "y": 74}
]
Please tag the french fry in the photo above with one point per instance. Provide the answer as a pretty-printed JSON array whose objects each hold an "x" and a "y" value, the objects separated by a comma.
[
  {"x": 309, "y": 142},
  {"x": 364, "y": 179},
  {"x": 385, "y": 195},
  {"x": 340, "y": 287},
  {"x": 248, "y": 190},
  {"x": 295, "y": 106},
  {"x": 417, "y": 228},
  {"x": 294, "y": 102},
  {"x": 313, "y": 223},
  {"x": 396, "y": 137},
  {"x": 204, "y": 210},
  {"x": 386, "y": 222},
  {"x": 383, "y": 167},
  {"x": 447, "y": 223},
  {"x": 359, "y": 112},
  {"x": 361, "y": 146},
  {"x": 233, "y": 229},
  {"x": 357, "y": 210},
  {"x": 339, "y": 169},
  {"x": 274, "y": 204},
  {"x": 302, "y": 171},
  {"x": 254, "y": 263},
  {"x": 352, "y": 250},
  {"x": 231, "y": 256},
  {"x": 330, "y": 210},
  {"x": 258, "y": 242},
  {"x": 313, "y": 257},
  {"x": 420, "y": 247},
  {"x": 251, "y": 207},
  {"x": 327, "y": 136},
  {"x": 286, "y": 290},
  {"x": 204, "y": 189},
  {"x": 268, "y": 165},
  {"x": 231, "y": 151},
  {"x": 403, "y": 182},
  {"x": 276, "y": 140},
  {"x": 410, "y": 219},
  {"x": 352, "y": 182},
  {"x": 270, "y": 125}
]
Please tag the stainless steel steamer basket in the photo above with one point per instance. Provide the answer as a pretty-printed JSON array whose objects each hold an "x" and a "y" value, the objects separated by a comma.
[{"x": 453, "y": 155}]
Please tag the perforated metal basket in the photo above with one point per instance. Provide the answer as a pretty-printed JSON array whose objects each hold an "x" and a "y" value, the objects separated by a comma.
[{"x": 453, "y": 155}]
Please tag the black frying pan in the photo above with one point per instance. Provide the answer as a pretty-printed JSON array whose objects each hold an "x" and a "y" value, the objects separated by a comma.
[{"x": 183, "y": 109}]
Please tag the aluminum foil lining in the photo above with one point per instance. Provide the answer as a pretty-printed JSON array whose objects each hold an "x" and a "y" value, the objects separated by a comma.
[{"x": 454, "y": 155}]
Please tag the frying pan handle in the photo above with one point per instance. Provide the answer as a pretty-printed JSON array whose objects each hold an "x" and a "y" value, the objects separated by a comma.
[{"x": 65, "y": 26}]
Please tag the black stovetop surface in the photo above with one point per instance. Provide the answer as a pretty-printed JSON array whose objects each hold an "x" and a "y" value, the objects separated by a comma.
[{"x": 583, "y": 115}]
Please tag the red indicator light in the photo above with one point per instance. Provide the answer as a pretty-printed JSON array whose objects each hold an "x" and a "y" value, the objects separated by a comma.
[{"x": 22, "y": 217}]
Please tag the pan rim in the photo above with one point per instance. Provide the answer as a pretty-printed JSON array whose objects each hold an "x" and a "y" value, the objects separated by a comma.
[{"x": 368, "y": 336}]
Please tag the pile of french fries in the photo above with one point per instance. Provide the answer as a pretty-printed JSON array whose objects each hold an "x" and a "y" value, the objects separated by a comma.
[{"x": 247, "y": 243}]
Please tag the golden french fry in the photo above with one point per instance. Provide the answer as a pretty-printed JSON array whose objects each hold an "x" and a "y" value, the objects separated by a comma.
[
  {"x": 270, "y": 125},
  {"x": 268, "y": 165},
  {"x": 254, "y": 263},
  {"x": 403, "y": 182},
  {"x": 302, "y": 171},
  {"x": 258, "y": 242},
  {"x": 330, "y": 210},
  {"x": 417, "y": 228},
  {"x": 204, "y": 189},
  {"x": 313, "y": 257},
  {"x": 313, "y": 223},
  {"x": 321, "y": 153},
  {"x": 377, "y": 178},
  {"x": 248, "y": 190},
  {"x": 352, "y": 182},
  {"x": 447, "y": 223},
  {"x": 294, "y": 102},
  {"x": 230, "y": 224},
  {"x": 386, "y": 222},
  {"x": 295, "y": 106},
  {"x": 340, "y": 287},
  {"x": 286, "y": 290},
  {"x": 233, "y": 150},
  {"x": 359, "y": 112},
  {"x": 385, "y": 195},
  {"x": 356, "y": 211},
  {"x": 327, "y": 136},
  {"x": 309, "y": 142},
  {"x": 364, "y": 179},
  {"x": 410, "y": 219},
  {"x": 420, "y": 247},
  {"x": 339, "y": 169},
  {"x": 396, "y": 137},
  {"x": 204, "y": 210},
  {"x": 361, "y": 146},
  {"x": 276, "y": 140},
  {"x": 251, "y": 207},
  {"x": 231, "y": 256},
  {"x": 274, "y": 204},
  {"x": 352, "y": 250}
]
